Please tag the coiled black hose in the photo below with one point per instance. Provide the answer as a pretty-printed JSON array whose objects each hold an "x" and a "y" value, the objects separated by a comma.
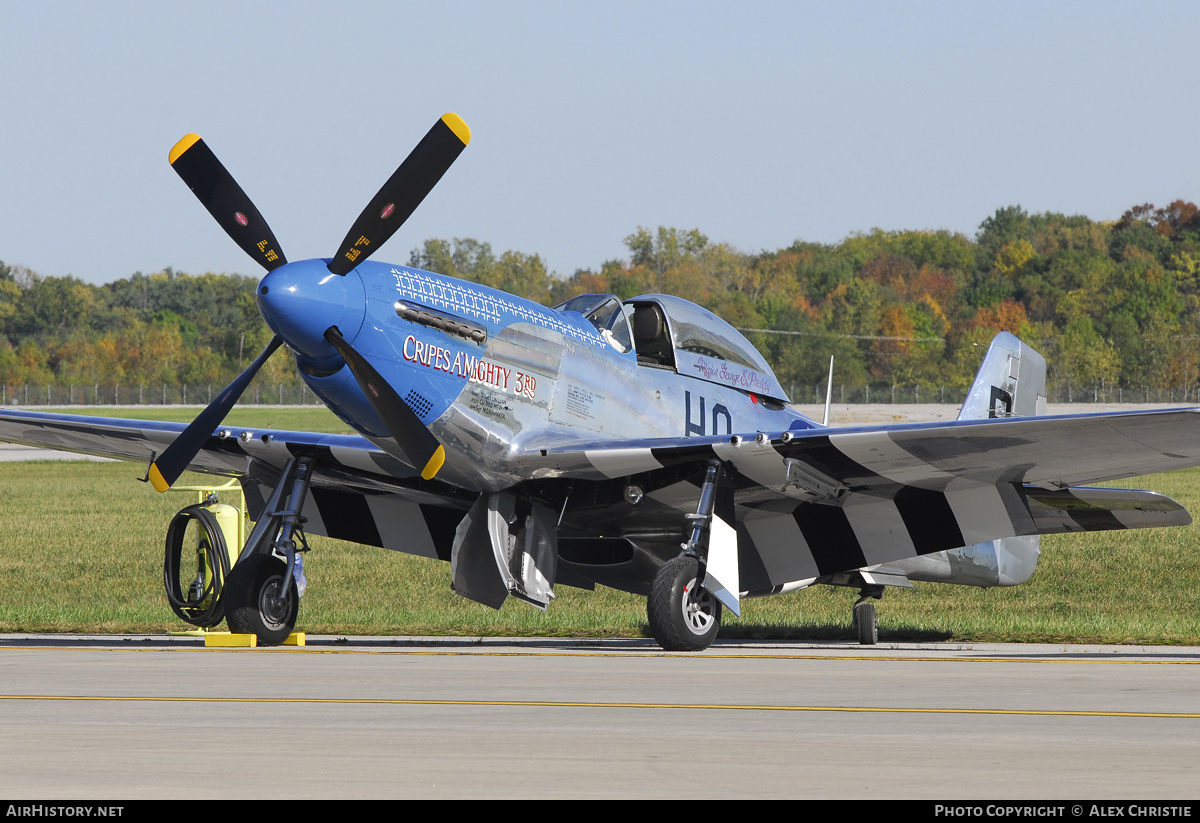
[{"x": 212, "y": 543}]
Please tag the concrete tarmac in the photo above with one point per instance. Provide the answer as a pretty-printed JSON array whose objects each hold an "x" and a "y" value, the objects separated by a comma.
[{"x": 157, "y": 717}]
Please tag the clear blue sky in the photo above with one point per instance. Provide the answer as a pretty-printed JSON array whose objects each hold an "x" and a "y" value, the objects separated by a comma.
[{"x": 758, "y": 123}]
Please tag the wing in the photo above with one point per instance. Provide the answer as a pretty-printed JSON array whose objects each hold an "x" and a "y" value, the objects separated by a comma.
[
  {"x": 358, "y": 491},
  {"x": 1051, "y": 451},
  {"x": 821, "y": 501}
]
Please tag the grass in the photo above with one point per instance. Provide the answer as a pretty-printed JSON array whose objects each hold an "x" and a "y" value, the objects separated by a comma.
[{"x": 81, "y": 550}]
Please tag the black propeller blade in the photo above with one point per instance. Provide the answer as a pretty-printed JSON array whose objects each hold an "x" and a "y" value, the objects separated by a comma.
[
  {"x": 418, "y": 444},
  {"x": 225, "y": 201},
  {"x": 165, "y": 470},
  {"x": 403, "y": 192}
]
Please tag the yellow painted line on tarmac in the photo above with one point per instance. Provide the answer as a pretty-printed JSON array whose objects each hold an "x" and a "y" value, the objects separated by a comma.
[
  {"x": 557, "y": 704},
  {"x": 656, "y": 654}
]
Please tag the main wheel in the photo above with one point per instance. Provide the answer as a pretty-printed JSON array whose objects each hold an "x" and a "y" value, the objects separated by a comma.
[
  {"x": 251, "y": 595},
  {"x": 865, "y": 623},
  {"x": 678, "y": 623}
]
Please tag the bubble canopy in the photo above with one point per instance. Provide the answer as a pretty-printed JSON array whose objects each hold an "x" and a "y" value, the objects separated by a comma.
[
  {"x": 703, "y": 345},
  {"x": 709, "y": 348}
]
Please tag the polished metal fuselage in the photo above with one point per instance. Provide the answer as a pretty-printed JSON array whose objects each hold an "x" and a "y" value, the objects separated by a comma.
[
  {"x": 517, "y": 381},
  {"x": 542, "y": 379}
]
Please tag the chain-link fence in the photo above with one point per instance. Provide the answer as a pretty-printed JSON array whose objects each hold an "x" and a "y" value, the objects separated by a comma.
[
  {"x": 1058, "y": 393},
  {"x": 28, "y": 394}
]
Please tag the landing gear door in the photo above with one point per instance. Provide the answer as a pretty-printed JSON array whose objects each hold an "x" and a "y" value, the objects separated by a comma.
[
  {"x": 499, "y": 551},
  {"x": 480, "y": 537},
  {"x": 534, "y": 563}
]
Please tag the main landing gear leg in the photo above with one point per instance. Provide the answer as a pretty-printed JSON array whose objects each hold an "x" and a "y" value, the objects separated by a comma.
[
  {"x": 261, "y": 593},
  {"x": 866, "y": 626},
  {"x": 683, "y": 615}
]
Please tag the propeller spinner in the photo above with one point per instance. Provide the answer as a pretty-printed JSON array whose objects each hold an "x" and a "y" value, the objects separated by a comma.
[{"x": 233, "y": 210}]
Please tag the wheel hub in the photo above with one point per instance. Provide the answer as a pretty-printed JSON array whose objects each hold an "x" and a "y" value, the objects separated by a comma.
[
  {"x": 698, "y": 611},
  {"x": 274, "y": 609}
]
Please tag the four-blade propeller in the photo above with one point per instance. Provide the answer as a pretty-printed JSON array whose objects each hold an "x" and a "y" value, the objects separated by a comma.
[{"x": 399, "y": 197}]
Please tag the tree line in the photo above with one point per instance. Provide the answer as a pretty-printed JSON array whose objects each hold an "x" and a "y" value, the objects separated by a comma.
[{"x": 1114, "y": 304}]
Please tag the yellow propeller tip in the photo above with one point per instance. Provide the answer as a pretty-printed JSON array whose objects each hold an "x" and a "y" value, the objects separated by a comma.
[
  {"x": 182, "y": 146},
  {"x": 461, "y": 130},
  {"x": 159, "y": 482},
  {"x": 434, "y": 465}
]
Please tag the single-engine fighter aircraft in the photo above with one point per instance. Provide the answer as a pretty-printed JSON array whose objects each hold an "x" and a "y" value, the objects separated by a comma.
[{"x": 640, "y": 444}]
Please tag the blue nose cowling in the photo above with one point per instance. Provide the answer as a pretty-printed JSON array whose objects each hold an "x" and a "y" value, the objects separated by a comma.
[{"x": 300, "y": 300}]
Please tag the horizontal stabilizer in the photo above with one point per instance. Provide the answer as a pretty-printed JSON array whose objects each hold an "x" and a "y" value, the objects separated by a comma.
[{"x": 1087, "y": 509}]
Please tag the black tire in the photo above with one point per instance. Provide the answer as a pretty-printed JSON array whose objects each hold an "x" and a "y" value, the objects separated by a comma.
[
  {"x": 676, "y": 623},
  {"x": 865, "y": 623},
  {"x": 250, "y": 589}
]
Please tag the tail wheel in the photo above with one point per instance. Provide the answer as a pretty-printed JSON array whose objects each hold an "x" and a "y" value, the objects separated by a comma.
[
  {"x": 865, "y": 623},
  {"x": 678, "y": 621},
  {"x": 253, "y": 605}
]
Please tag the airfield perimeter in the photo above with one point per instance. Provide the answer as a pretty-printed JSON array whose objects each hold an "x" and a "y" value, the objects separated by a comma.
[{"x": 151, "y": 716}]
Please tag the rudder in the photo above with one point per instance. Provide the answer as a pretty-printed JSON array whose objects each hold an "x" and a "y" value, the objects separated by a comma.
[{"x": 1011, "y": 382}]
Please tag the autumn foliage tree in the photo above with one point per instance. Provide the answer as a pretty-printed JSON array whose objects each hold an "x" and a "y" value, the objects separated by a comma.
[{"x": 1113, "y": 304}]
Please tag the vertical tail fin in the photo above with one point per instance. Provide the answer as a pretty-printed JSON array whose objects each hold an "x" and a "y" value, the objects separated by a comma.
[{"x": 1010, "y": 383}]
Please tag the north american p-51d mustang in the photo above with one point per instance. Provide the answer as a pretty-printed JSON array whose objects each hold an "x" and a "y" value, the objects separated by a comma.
[{"x": 640, "y": 444}]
